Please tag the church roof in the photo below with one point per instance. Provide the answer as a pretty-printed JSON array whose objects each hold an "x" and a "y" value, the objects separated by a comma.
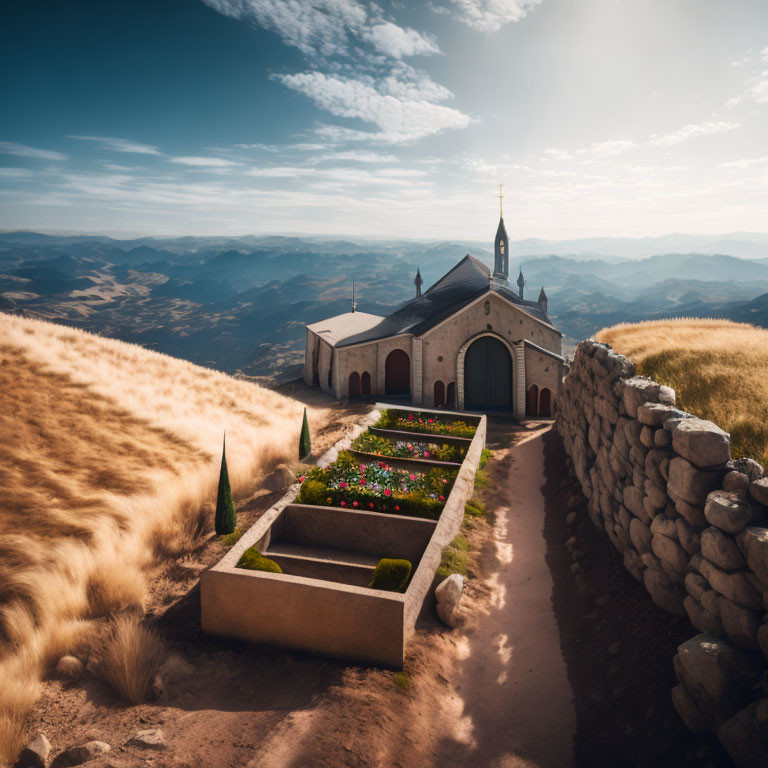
[
  {"x": 467, "y": 281},
  {"x": 502, "y": 230},
  {"x": 334, "y": 329}
]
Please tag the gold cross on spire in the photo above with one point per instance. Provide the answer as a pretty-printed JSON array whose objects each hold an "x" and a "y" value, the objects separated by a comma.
[{"x": 501, "y": 215}]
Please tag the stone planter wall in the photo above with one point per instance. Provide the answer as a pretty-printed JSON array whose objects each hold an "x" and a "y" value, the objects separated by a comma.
[{"x": 690, "y": 524}]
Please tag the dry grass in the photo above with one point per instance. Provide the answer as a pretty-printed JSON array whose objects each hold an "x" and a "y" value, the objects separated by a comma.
[
  {"x": 130, "y": 658},
  {"x": 718, "y": 368},
  {"x": 108, "y": 462}
]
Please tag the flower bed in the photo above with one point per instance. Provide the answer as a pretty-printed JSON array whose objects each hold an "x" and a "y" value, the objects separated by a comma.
[
  {"x": 377, "y": 487},
  {"x": 427, "y": 423},
  {"x": 404, "y": 449}
]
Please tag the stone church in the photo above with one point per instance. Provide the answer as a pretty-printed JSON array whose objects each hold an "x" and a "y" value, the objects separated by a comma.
[{"x": 470, "y": 342}]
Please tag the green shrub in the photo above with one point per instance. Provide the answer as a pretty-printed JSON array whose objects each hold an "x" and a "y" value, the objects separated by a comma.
[
  {"x": 226, "y": 517},
  {"x": 313, "y": 492},
  {"x": 460, "y": 543},
  {"x": 474, "y": 508},
  {"x": 391, "y": 575},
  {"x": 253, "y": 560},
  {"x": 485, "y": 456},
  {"x": 230, "y": 539},
  {"x": 455, "y": 558},
  {"x": 402, "y": 680},
  {"x": 481, "y": 479},
  {"x": 305, "y": 444}
]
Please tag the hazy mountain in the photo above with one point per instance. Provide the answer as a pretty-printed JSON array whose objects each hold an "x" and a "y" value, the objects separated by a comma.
[{"x": 240, "y": 304}]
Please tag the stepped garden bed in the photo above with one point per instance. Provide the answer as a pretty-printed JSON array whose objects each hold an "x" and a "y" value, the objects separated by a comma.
[{"x": 324, "y": 541}]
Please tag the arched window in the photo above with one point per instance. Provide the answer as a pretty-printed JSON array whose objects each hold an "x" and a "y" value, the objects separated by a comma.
[
  {"x": 450, "y": 395},
  {"x": 397, "y": 373},
  {"x": 439, "y": 394},
  {"x": 532, "y": 401},
  {"x": 365, "y": 383},
  {"x": 545, "y": 402},
  {"x": 354, "y": 384}
]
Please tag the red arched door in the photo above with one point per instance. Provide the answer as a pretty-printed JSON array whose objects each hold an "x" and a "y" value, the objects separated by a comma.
[
  {"x": 450, "y": 395},
  {"x": 397, "y": 373},
  {"x": 532, "y": 401},
  {"x": 365, "y": 383},
  {"x": 354, "y": 384},
  {"x": 439, "y": 394},
  {"x": 545, "y": 403}
]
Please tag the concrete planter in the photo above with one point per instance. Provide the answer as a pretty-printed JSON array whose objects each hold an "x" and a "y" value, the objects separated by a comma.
[{"x": 321, "y": 603}]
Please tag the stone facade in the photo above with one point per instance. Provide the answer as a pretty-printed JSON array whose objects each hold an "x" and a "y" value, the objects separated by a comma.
[
  {"x": 438, "y": 355},
  {"x": 690, "y": 524}
]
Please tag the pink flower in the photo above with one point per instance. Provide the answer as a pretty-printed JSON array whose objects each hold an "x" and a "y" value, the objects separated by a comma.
[
  {"x": 431, "y": 421},
  {"x": 444, "y": 481},
  {"x": 343, "y": 503},
  {"x": 371, "y": 505},
  {"x": 397, "y": 507},
  {"x": 410, "y": 417},
  {"x": 354, "y": 503},
  {"x": 342, "y": 484},
  {"x": 413, "y": 477},
  {"x": 387, "y": 492},
  {"x": 301, "y": 479},
  {"x": 426, "y": 454},
  {"x": 362, "y": 481}
]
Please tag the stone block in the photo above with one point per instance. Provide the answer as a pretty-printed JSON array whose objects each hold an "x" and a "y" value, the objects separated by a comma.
[
  {"x": 694, "y": 515},
  {"x": 646, "y": 437},
  {"x": 637, "y": 391},
  {"x": 662, "y": 438},
  {"x": 655, "y": 414},
  {"x": 740, "y": 623},
  {"x": 687, "y": 709},
  {"x": 633, "y": 501},
  {"x": 696, "y": 584},
  {"x": 640, "y": 536},
  {"x": 702, "y": 442},
  {"x": 710, "y": 600},
  {"x": 665, "y": 596},
  {"x": 720, "y": 549},
  {"x": 758, "y": 489},
  {"x": 734, "y": 586},
  {"x": 606, "y": 410},
  {"x": 754, "y": 544},
  {"x": 729, "y": 512},
  {"x": 670, "y": 552},
  {"x": 688, "y": 536},
  {"x": 736, "y": 482},
  {"x": 667, "y": 395},
  {"x": 743, "y": 740},
  {"x": 689, "y": 483},
  {"x": 624, "y": 517},
  {"x": 664, "y": 526},
  {"x": 751, "y": 468},
  {"x": 701, "y": 618},
  {"x": 638, "y": 476},
  {"x": 655, "y": 493}
]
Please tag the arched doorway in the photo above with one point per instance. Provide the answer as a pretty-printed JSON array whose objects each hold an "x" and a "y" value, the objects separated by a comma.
[
  {"x": 545, "y": 403},
  {"x": 532, "y": 401},
  {"x": 439, "y": 393},
  {"x": 354, "y": 384},
  {"x": 397, "y": 373},
  {"x": 365, "y": 383},
  {"x": 487, "y": 375},
  {"x": 450, "y": 395}
]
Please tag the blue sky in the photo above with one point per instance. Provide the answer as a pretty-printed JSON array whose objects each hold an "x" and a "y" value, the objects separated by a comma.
[{"x": 388, "y": 119}]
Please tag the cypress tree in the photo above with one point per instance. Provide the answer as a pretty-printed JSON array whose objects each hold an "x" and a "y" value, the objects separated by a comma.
[
  {"x": 305, "y": 446},
  {"x": 226, "y": 517}
]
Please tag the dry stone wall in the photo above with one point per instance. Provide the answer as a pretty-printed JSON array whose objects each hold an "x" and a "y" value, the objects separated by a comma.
[{"x": 690, "y": 524}]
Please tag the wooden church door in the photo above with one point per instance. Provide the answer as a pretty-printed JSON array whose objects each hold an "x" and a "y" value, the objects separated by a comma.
[{"x": 487, "y": 376}]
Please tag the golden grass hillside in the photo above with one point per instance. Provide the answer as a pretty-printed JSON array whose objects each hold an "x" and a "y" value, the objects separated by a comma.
[
  {"x": 109, "y": 458},
  {"x": 719, "y": 370}
]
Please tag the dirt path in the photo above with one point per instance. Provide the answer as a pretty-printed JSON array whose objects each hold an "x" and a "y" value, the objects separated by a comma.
[{"x": 513, "y": 679}]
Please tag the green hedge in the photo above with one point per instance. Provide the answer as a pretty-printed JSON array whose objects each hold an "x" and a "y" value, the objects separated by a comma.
[
  {"x": 391, "y": 575},
  {"x": 253, "y": 560}
]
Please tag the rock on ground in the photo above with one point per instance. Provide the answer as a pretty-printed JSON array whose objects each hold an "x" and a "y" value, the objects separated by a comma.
[
  {"x": 81, "y": 754},
  {"x": 35, "y": 754},
  {"x": 69, "y": 668},
  {"x": 151, "y": 738}
]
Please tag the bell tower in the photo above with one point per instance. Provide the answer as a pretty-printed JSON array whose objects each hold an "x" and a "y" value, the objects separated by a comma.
[{"x": 501, "y": 247}]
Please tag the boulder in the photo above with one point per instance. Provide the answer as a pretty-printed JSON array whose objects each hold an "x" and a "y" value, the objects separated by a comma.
[
  {"x": 751, "y": 468},
  {"x": 633, "y": 501},
  {"x": 716, "y": 673},
  {"x": 69, "y": 668},
  {"x": 740, "y": 623},
  {"x": 687, "y": 709},
  {"x": 79, "y": 755},
  {"x": 664, "y": 526},
  {"x": 667, "y": 395},
  {"x": 646, "y": 437},
  {"x": 710, "y": 601},
  {"x": 742, "y": 739},
  {"x": 655, "y": 494},
  {"x": 734, "y": 586},
  {"x": 695, "y": 584},
  {"x": 448, "y": 595},
  {"x": 728, "y": 511},
  {"x": 638, "y": 391},
  {"x": 662, "y": 438},
  {"x": 736, "y": 482},
  {"x": 721, "y": 549},
  {"x": 758, "y": 489},
  {"x": 35, "y": 754},
  {"x": 754, "y": 543},
  {"x": 655, "y": 414},
  {"x": 150, "y": 738},
  {"x": 701, "y": 618},
  {"x": 640, "y": 536},
  {"x": 670, "y": 552},
  {"x": 661, "y": 593},
  {"x": 688, "y": 536},
  {"x": 702, "y": 442},
  {"x": 693, "y": 515},
  {"x": 689, "y": 483}
]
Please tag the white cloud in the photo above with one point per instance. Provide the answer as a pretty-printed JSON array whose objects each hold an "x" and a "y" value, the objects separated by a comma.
[
  {"x": 204, "y": 162},
  {"x": 691, "y": 130},
  {"x": 557, "y": 154},
  {"x": 22, "y": 150},
  {"x": 15, "y": 173},
  {"x": 359, "y": 156},
  {"x": 491, "y": 15},
  {"x": 398, "y": 42},
  {"x": 745, "y": 162},
  {"x": 609, "y": 148},
  {"x": 400, "y": 116},
  {"x": 120, "y": 145}
]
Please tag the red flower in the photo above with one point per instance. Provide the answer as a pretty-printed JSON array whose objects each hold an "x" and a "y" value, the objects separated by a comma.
[
  {"x": 410, "y": 417},
  {"x": 413, "y": 477},
  {"x": 431, "y": 421},
  {"x": 343, "y": 503},
  {"x": 301, "y": 479},
  {"x": 342, "y": 484},
  {"x": 354, "y": 503},
  {"x": 362, "y": 481},
  {"x": 371, "y": 505},
  {"x": 387, "y": 492},
  {"x": 397, "y": 507},
  {"x": 442, "y": 498},
  {"x": 444, "y": 481}
]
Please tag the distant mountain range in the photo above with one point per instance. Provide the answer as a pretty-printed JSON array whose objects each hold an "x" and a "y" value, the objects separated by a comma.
[{"x": 240, "y": 304}]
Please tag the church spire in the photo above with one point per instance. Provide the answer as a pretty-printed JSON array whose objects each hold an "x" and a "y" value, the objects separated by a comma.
[
  {"x": 520, "y": 283},
  {"x": 543, "y": 300},
  {"x": 354, "y": 303},
  {"x": 501, "y": 246},
  {"x": 417, "y": 282}
]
